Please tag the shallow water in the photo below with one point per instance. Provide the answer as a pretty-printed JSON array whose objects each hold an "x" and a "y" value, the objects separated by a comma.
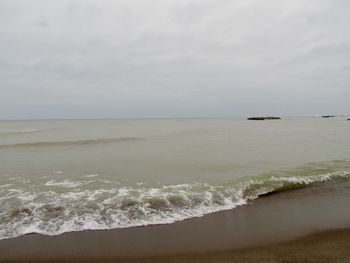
[{"x": 70, "y": 175}]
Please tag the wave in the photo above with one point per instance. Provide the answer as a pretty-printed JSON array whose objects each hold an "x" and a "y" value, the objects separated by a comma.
[
  {"x": 69, "y": 143},
  {"x": 56, "y": 212},
  {"x": 19, "y": 132}
]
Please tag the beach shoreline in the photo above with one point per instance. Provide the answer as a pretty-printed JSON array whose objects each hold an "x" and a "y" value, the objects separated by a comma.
[
  {"x": 322, "y": 247},
  {"x": 253, "y": 231}
]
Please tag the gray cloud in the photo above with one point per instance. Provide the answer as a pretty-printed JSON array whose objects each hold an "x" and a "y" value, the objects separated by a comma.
[{"x": 89, "y": 58}]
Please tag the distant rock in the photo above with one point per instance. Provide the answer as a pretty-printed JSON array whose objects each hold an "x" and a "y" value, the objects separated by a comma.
[
  {"x": 348, "y": 119},
  {"x": 263, "y": 118},
  {"x": 328, "y": 116}
]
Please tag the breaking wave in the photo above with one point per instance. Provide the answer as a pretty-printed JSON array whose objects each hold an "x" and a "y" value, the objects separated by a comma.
[
  {"x": 52, "y": 212},
  {"x": 19, "y": 132},
  {"x": 69, "y": 143}
]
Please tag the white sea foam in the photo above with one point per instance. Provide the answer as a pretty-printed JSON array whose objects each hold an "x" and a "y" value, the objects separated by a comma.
[
  {"x": 90, "y": 175},
  {"x": 55, "y": 212},
  {"x": 65, "y": 183}
]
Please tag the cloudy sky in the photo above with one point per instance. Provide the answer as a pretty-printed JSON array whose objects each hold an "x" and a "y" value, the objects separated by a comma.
[{"x": 165, "y": 58}]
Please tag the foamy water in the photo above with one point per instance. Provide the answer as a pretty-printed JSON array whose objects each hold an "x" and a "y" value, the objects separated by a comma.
[{"x": 79, "y": 175}]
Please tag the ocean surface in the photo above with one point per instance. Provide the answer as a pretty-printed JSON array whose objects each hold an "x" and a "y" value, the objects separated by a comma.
[{"x": 72, "y": 175}]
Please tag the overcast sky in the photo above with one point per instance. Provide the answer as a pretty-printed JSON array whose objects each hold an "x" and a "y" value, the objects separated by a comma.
[{"x": 162, "y": 58}]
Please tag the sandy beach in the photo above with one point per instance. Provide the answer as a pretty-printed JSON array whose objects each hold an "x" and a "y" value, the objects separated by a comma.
[
  {"x": 324, "y": 247},
  {"x": 328, "y": 246},
  {"x": 275, "y": 228}
]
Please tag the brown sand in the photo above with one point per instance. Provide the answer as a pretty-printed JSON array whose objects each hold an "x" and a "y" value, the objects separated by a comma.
[
  {"x": 326, "y": 247},
  {"x": 251, "y": 233}
]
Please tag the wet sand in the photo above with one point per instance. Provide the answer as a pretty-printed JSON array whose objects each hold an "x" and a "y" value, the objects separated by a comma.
[
  {"x": 259, "y": 232},
  {"x": 325, "y": 247}
]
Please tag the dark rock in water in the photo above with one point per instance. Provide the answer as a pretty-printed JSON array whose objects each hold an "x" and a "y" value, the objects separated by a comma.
[
  {"x": 348, "y": 119},
  {"x": 328, "y": 116},
  {"x": 264, "y": 118}
]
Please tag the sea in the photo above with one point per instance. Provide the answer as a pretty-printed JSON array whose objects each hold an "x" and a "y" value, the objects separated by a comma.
[{"x": 59, "y": 176}]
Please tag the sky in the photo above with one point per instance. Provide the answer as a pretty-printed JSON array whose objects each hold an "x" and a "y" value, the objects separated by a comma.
[{"x": 165, "y": 58}]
